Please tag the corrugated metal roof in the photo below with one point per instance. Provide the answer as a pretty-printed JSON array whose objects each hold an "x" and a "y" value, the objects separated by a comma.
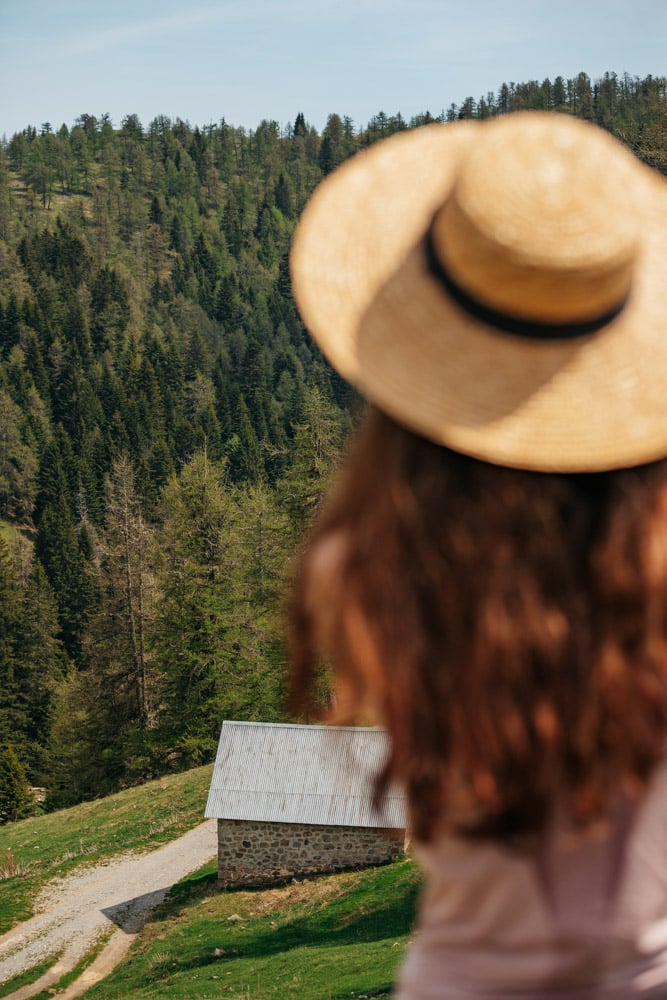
[{"x": 282, "y": 773}]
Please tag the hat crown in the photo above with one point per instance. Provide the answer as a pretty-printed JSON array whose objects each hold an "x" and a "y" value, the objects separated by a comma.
[{"x": 540, "y": 223}]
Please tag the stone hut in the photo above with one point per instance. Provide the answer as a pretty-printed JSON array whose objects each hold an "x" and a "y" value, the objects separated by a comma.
[{"x": 297, "y": 800}]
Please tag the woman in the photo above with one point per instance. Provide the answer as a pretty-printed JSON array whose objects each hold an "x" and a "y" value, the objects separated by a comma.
[{"x": 489, "y": 578}]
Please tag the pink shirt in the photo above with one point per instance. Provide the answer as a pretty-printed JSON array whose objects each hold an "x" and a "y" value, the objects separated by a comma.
[{"x": 583, "y": 918}]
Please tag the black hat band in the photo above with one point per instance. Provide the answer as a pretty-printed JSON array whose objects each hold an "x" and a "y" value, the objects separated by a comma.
[{"x": 531, "y": 329}]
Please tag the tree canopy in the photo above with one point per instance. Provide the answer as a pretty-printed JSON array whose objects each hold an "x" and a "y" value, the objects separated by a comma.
[{"x": 167, "y": 428}]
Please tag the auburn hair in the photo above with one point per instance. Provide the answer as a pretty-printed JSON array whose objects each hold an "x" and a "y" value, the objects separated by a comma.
[{"x": 507, "y": 627}]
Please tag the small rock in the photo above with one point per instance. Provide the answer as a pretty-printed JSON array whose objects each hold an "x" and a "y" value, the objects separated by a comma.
[{"x": 235, "y": 917}]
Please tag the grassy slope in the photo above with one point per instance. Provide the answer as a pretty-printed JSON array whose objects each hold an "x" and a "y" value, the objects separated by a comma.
[
  {"x": 44, "y": 847},
  {"x": 324, "y": 939},
  {"x": 330, "y": 938}
]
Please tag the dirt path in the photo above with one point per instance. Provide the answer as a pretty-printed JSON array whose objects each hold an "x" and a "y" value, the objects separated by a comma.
[{"x": 75, "y": 912}]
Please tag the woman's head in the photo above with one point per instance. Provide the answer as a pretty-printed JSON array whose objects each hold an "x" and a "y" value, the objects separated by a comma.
[
  {"x": 508, "y": 627},
  {"x": 492, "y": 581}
]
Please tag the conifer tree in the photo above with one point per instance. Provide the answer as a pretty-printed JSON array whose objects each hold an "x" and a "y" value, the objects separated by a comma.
[
  {"x": 12, "y": 716},
  {"x": 119, "y": 634},
  {"x": 42, "y": 667},
  {"x": 18, "y": 463},
  {"x": 71, "y": 577},
  {"x": 16, "y": 801},
  {"x": 265, "y": 559},
  {"x": 318, "y": 439},
  {"x": 120, "y": 688},
  {"x": 200, "y": 641}
]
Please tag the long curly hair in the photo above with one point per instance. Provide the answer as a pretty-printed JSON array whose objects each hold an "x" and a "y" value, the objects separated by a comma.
[{"x": 509, "y": 628}]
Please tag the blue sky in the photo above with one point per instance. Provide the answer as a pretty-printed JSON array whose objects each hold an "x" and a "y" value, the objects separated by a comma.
[{"x": 245, "y": 60}]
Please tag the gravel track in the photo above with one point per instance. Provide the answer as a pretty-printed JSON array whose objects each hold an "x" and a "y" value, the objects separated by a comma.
[{"x": 74, "y": 913}]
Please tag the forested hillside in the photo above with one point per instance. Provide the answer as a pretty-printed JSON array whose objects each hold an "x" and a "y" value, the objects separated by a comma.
[{"x": 166, "y": 425}]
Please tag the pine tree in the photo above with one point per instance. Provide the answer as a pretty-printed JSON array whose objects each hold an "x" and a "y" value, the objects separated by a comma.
[
  {"x": 42, "y": 664},
  {"x": 265, "y": 558},
  {"x": 16, "y": 801},
  {"x": 318, "y": 438},
  {"x": 71, "y": 577},
  {"x": 18, "y": 463},
  {"x": 121, "y": 688},
  {"x": 117, "y": 636},
  {"x": 243, "y": 449},
  {"x": 13, "y": 718},
  {"x": 78, "y": 768},
  {"x": 199, "y": 639}
]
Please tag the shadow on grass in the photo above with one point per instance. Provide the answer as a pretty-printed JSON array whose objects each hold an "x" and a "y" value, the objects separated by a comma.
[
  {"x": 386, "y": 990},
  {"x": 132, "y": 914},
  {"x": 204, "y": 883},
  {"x": 362, "y": 915},
  {"x": 390, "y": 921}
]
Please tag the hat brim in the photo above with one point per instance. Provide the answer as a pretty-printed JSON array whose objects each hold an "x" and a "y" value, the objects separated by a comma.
[{"x": 363, "y": 286}]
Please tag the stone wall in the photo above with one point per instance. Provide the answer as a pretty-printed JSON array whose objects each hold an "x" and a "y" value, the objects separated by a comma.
[{"x": 252, "y": 853}]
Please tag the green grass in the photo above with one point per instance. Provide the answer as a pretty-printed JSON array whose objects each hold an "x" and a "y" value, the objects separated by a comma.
[
  {"x": 35, "y": 850},
  {"x": 37, "y": 971},
  {"x": 74, "y": 973},
  {"x": 335, "y": 937},
  {"x": 330, "y": 938},
  {"x": 28, "y": 977}
]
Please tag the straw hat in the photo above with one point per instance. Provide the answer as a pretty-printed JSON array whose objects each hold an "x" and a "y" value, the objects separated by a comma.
[{"x": 499, "y": 287}]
